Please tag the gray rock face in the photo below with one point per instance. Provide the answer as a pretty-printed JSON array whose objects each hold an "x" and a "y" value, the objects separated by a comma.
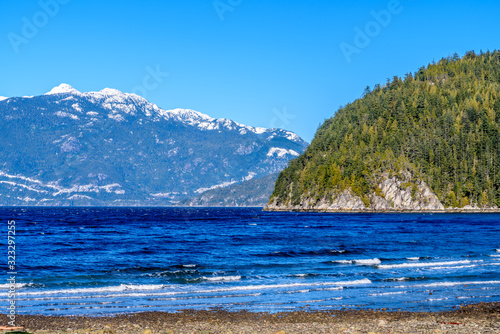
[{"x": 396, "y": 195}]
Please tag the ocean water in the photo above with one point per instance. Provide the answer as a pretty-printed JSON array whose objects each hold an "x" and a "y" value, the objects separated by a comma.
[{"x": 94, "y": 261}]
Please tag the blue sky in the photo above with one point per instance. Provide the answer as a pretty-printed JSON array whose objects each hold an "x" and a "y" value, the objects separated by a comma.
[{"x": 262, "y": 63}]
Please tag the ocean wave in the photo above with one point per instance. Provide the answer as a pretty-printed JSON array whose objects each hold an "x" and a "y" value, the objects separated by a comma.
[
  {"x": 342, "y": 261},
  {"x": 388, "y": 293},
  {"x": 361, "y": 262},
  {"x": 416, "y": 258},
  {"x": 368, "y": 262},
  {"x": 397, "y": 279},
  {"x": 116, "y": 288},
  {"x": 6, "y": 286},
  {"x": 293, "y": 253},
  {"x": 428, "y": 285},
  {"x": 304, "y": 275},
  {"x": 222, "y": 278},
  {"x": 329, "y": 289},
  {"x": 154, "y": 290},
  {"x": 297, "y": 291},
  {"x": 422, "y": 264},
  {"x": 454, "y": 267}
]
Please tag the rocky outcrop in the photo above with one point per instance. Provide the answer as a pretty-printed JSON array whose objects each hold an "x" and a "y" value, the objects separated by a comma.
[
  {"x": 399, "y": 195},
  {"x": 394, "y": 194}
]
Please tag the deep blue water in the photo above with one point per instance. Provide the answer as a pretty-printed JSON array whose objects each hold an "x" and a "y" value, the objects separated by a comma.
[{"x": 114, "y": 260}]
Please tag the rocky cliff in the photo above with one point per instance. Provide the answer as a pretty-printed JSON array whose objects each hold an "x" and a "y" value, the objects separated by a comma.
[{"x": 394, "y": 193}]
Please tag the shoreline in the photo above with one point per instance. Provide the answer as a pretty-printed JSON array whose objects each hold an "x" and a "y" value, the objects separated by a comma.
[
  {"x": 266, "y": 209},
  {"x": 474, "y": 318}
]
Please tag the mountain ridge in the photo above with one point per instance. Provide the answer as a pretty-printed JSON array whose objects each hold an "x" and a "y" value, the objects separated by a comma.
[{"x": 112, "y": 148}]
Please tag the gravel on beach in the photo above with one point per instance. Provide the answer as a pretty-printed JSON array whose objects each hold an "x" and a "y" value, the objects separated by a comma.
[{"x": 476, "y": 318}]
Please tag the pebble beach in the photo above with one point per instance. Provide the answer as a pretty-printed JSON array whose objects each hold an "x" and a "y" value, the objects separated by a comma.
[{"x": 476, "y": 318}]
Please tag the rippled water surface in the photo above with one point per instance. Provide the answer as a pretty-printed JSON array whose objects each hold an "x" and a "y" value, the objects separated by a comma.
[{"x": 115, "y": 260}]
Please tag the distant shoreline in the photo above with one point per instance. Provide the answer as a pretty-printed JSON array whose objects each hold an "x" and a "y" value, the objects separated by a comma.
[{"x": 474, "y": 318}]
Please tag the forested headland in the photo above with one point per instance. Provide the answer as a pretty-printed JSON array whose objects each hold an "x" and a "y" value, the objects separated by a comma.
[{"x": 439, "y": 125}]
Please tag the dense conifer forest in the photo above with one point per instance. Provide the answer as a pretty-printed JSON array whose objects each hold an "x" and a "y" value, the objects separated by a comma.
[{"x": 440, "y": 125}]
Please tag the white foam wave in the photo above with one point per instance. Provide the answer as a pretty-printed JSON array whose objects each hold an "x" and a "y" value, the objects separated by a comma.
[
  {"x": 398, "y": 279},
  {"x": 416, "y": 258},
  {"x": 223, "y": 278},
  {"x": 117, "y": 288},
  {"x": 453, "y": 267},
  {"x": 361, "y": 262},
  {"x": 497, "y": 250},
  {"x": 151, "y": 292},
  {"x": 330, "y": 289},
  {"x": 368, "y": 262},
  {"x": 388, "y": 293},
  {"x": 451, "y": 284},
  {"x": 422, "y": 264},
  {"x": 495, "y": 255},
  {"x": 298, "y": 291},
  {"x": 18, "y": 285},
  {"x": 189, "y": 265}
]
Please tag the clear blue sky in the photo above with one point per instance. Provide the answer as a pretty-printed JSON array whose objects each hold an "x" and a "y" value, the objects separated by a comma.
[{"x": 258, "y": 62}]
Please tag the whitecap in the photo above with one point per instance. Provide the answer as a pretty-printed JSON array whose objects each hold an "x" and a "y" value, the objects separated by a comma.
[
  {"x": 222, "y": 278},
  {"x": 18, "y": 285},
  {"x": 452, "y": 283},
  {"x": 368, "y": 262},
  {"x": 297, "y": 291},
  {"x": 421, "y": 264},
  {"x": 388, "y": 293},
  {"x": 398, "y": 279},
  {"x": 416, "y": 258},
  {"x": 116, "y": 288}
]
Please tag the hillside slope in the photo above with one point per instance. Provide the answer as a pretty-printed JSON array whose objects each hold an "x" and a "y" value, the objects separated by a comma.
[
  {"x": 428, "y": 141},
  {"x": 251, "y": 193}
]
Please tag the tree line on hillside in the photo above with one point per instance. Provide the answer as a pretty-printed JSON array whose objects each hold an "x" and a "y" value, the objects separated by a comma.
[{"x": 440, "y": 124}]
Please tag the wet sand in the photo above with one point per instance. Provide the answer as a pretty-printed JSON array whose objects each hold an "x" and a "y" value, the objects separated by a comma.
[{"x": 477, "y": 318}]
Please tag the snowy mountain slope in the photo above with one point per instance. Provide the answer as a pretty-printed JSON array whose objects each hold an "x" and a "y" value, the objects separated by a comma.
[{"x": 113, "y": 148}]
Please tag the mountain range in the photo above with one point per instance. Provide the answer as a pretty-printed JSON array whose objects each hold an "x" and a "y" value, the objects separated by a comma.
[{"x": 111, "y": 148}]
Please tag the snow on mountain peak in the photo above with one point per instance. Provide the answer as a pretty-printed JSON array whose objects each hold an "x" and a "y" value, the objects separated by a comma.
[
  {"x": 116, "y": 101},
  {"x": 3, "y": 98},
  {"x": 63, "y": 89},
  {"x": 110, "y": 91}
]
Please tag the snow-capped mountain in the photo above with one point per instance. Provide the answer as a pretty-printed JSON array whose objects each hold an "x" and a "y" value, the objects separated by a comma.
[{"x": 113, "y": 148}]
